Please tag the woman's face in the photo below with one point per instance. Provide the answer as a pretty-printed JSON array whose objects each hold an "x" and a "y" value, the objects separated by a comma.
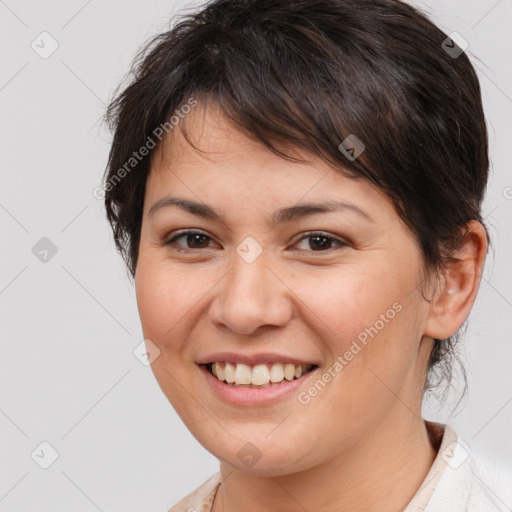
[{"x": 255, "y": 283}]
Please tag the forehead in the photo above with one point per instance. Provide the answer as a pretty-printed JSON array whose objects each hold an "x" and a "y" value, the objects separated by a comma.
[
  {"x": 221, "y": 163},
  {"x": 206, "y": 135}
]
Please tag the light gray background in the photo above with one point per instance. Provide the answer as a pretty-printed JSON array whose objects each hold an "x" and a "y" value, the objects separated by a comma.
[{"x": 69, "y": 326}]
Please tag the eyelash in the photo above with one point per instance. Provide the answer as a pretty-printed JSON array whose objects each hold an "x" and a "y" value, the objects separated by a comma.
[{"x": 310, "y": 234}]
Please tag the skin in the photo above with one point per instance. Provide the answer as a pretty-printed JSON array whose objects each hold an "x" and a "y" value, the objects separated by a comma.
[{"x": 361, "y": 443}]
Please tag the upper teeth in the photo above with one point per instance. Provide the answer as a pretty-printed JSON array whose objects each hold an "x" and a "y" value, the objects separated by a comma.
[{"x": 259, "y": 374}]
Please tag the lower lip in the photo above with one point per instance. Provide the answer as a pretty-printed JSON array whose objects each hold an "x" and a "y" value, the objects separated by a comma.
[{"x": 254, "y": 396}]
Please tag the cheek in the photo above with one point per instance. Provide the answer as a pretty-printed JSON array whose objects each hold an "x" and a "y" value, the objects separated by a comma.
[
  {"x": 165, "y": 299},
  {"x": 164, "y": 296},
  {"x": 367, "y": 321},
  {"x": 348, "y": 301}
]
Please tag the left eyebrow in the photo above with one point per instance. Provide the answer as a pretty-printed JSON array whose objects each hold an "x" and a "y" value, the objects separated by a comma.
[
  {"x": 283, "y": 215},
  {"x": 304, "y": 209}
]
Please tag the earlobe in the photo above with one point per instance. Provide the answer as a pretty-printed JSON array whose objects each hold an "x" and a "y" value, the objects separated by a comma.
[{"x": 458, "y": 287}]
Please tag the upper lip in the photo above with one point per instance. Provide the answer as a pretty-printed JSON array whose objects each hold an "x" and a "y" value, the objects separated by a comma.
[{"x": 253, "y": 359}]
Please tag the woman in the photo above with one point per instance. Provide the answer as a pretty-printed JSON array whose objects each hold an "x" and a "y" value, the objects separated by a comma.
[{"x": 296, "y": 188}]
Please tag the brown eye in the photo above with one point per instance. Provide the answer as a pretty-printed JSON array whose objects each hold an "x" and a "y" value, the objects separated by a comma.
[
  {"x": 193, "y": 240},
  {"x": 321, "y": 242}
]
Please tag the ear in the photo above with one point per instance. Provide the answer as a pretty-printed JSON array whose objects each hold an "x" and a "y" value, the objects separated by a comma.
[{"x": 456, "y": 294}]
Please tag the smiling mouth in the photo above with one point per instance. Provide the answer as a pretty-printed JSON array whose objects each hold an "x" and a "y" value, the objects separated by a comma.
[{"x": 257, "y": 376}]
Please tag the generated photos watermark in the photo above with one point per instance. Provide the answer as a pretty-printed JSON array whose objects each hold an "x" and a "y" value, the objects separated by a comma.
[
  {"x": 137, "y": 156},
  {"x": 358, "y": 343}
]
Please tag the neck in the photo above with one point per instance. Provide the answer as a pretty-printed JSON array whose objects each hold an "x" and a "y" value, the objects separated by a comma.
[{"x": 381, "y": 473}]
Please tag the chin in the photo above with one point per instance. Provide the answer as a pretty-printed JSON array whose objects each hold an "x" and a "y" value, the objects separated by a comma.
[{"x": 260, "y": 458}]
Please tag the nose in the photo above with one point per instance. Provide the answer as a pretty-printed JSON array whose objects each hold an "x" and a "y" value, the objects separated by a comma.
[{"x": 251, "y": 296}]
